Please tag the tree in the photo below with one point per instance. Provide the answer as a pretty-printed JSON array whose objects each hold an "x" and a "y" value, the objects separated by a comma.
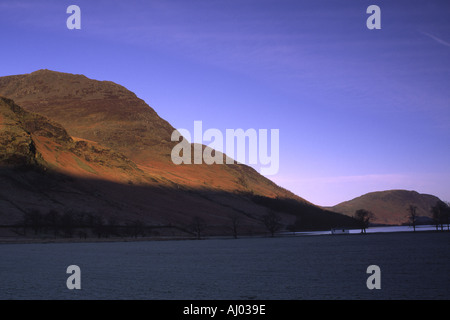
[
  {"x": 436, "y": 216},
  {"x": 272, "y": 222},
  {"x": 234, "y": 220},
  {"x": 80, "y": 219},
  {"x": 67, "y": 224},
  {"x": 198, "y": 225},
  {"x": 363, "y": 218},
  {"x": 297, "y": 225},
  {"x": 137, "y": 228},
  {"x": 111, "y": 227},
  {"x": 447, "y": 214},
  {"x": 98, "y": 226},
  {"x": 52, "y": 221},
  {"x": 440, "y": 214},
  {"x": 412, "y": 213},
  {"x": 34, "y": 220}
]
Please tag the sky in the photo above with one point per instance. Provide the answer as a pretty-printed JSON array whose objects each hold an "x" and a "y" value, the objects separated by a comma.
[{"x": 357, "y": 110}]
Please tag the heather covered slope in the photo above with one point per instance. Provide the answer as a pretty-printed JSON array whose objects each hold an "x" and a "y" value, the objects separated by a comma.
[{"x": 389, "y": 207}]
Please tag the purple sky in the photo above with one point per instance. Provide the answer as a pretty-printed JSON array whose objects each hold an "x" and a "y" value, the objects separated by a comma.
[{"x": 358, "y": 110}]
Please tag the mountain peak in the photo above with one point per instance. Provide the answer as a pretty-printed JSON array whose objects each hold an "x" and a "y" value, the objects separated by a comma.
[
  {"x": 100, "y": 111},
  {"x": 43, "y": 71}
]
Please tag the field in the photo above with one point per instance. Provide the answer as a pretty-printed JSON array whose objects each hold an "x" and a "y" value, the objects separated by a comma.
[{"x": 412, "y": 265}]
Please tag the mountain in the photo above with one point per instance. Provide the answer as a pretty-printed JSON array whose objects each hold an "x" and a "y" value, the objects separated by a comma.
[
  {"x": 114, "y": 117},
  {"x": 100, "y": 111},
  {"x": 389, "y": 207},
  {"x": 30, "y": 139},
  {"x": 91, "y": 148}
]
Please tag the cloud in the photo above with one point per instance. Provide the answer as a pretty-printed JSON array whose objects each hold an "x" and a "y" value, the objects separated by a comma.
[{"x": 438, "y": 40}]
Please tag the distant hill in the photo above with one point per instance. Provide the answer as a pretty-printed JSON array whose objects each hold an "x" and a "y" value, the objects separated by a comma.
[
  {"x": 92, "y": 148},
  {"x": 389, "y": 207}
]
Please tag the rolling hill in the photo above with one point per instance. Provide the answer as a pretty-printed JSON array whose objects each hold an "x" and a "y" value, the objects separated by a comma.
[{"x": 389, "y": 207}]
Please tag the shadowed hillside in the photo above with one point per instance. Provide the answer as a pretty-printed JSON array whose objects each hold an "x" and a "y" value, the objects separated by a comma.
[{"x": 45, "y": 168}]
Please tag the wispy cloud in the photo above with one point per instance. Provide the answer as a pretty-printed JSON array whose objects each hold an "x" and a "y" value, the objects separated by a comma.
[{"x": 438, "y": 40}]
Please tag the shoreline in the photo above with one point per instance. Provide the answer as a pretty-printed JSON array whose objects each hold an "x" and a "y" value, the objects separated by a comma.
[
  {"x": 18, "y": 240},
  {"x": 87, "y": 240}
]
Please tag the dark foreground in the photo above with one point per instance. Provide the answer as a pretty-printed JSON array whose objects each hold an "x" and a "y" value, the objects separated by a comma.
[{"x": 412, "y": 266}]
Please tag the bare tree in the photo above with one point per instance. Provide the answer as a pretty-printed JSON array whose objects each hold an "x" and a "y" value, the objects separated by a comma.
[
  {"x": 52, "y": 221},
  {"x": 136, "y": 228},
  {"x": 363, "y": 217},
  {"x": 272, "y": 222},
  {"x": 436, "y": 216},
  {"x": 67, "y": 224},
  {"x": 34, "y": 220},
  {"x": 98, "y": 225},
  {"x": 198, "y": 225},
  {"x": 234, "y": 219},
  {"x": 447, "y": 214},
  {"x": 412, "y": 213},
  {"x": 111, "y": 227},
  {"x": 440, "y": 215}
]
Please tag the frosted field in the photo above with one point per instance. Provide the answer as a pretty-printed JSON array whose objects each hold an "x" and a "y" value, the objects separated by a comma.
[{"x": 413, "y": 266}]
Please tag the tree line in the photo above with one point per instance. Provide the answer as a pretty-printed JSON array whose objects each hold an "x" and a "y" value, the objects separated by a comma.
[
  {"x": 83, "y": 225},
  {"x": 440, "y": 213},
  {"x": 440, "y": 216},
  {"x": 70, "y": 224},
  {"x": 271, "y": 221}
]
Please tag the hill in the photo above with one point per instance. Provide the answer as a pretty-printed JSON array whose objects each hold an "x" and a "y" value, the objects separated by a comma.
[
  {"x": 389, "y": 207},
  {"x": 114, "y": 117},
  {"x": 91, "y": 148}
]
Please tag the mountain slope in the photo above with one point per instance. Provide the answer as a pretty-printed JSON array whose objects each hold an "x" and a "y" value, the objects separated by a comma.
[
  {"x": 114, "y": 117},
  {"x": 389, "y": 207},
  {"x": 93, "y": 148},
  {"x": 43, "y": 168},
  {"x": 29, "y": 139},
  {"x": 100, "y": 111}
]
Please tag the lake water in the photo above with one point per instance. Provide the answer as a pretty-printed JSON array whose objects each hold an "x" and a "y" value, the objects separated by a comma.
[
  {"x": 413, "y": 266},
  {"x": 376, "y": 230}
]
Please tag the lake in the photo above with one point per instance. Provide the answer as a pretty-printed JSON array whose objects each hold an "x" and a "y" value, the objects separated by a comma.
[
  {"x": 375, "y": 230},
  {"x": 412, "y": 266}
]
